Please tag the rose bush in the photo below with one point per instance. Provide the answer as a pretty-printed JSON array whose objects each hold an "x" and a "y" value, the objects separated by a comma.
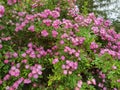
[{"x": 46, "y": 47}]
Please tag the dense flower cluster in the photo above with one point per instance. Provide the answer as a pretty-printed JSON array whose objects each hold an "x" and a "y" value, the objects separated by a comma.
[
  {"x": 69, "y": 67},
  {"x": 44, "y": 48},
  {"x": 14, "y": 71},
  {"x": 11, "y": 2},
  {"x": 35, "y": 71}
]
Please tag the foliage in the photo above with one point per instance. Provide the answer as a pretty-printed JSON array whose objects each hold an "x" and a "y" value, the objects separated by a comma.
[{"x": 45, "y": 46}]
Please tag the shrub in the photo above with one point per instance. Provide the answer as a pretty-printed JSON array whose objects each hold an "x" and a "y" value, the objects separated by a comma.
[{"x": 41, "y": 47}]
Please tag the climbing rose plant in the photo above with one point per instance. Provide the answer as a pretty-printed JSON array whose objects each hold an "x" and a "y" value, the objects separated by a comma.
[{"x": 43, "y": 48}]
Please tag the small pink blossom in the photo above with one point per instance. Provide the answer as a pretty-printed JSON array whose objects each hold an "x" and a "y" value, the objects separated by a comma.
[
  {"x": 1, "y": 82},
  {"x": 65, "y": 72},
  {"x": 47, "y": 22},
  {"x": 6, "y": 61},
  {"x": 31, "y": 28},
  {"x": 55, "y": 61},
  {"x": 107, "y": 23},
  {"x": 15, "y": 55},
  {"x": 114, "y": 67},
  {"x": 77, "y": 88},
  {"x": 62, "y": 57},
  {"x": 11, "y": 2},
  {"x": 27, "y": 81},
  {"x": 54, "y": 33},
  {"x": 2, "y": 10},
  {"x": 15, "y": 85},
  {"x": 79, "y": 84},
  {"x": 27, "y": 66},
  {"x": 24, "y": 61},
  {"x": 62, "y": 42},
  {"x": 93, "y": 81},
  {"x": 24, "y": 55},
  {"x": 89, "y": 82},
  {"x": 30, "y": 75},
  {"x": 118, "y": 80},
  {"x": 44, "y": 33},
  {"x": 34, "y": 85},
  {"x": 77, "y": 54},
  {"x": 7, "y": 77},
  {"x": 35, "y": 76},
  {"x": 55, "y": 14}
]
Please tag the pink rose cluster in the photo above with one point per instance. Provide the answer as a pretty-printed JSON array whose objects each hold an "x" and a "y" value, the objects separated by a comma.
[
  {"x": 6, "y": 38},
  {"x": 101, "y": 29},
  {"x": 36, "y": 70},
  {"x": 101, "y": 82},
  {"x": 72, "y": 51},
  {"x": 77, "y": 40},
  {"x": 14, "y": 71},
  {"x": 56, "y": 23},
  {"x": 92, "y": 81},
  {"x": 15, "y": 84},
  {"x": 54, "y": 33},
  {"x": 37, "y": 3},
  {"x": 69, "y": 67},
  {"x": 93, "y": 46},
  {"x": 47, "y": 22},
  {"x": 12, "y": 2},
  {"x": 54, "y": 14},
  {"x": 42, "y": 16},
  {"x": 44, "y": 33},
  {"x": 31, "y": 28},
  {"x": 34, "y": 52},
  {"x": 55, "y": 61},
  {"x": 2, "y": 10},
  {"x": 67, "y": 24},
  {"x": 83, "y": 21}
]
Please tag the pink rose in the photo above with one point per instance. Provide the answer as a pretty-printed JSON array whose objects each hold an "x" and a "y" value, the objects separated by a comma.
[
  {"x": 2, "y": 10},
  {"x": 44, "y": 33},
  {"x": 54, "y": 33},
  {"x": 11, "y": 2}
]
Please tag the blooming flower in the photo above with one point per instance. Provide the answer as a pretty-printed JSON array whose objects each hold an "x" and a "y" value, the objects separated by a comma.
[
  {"x": 24, "y": 55},
  {"x": 47, "y": 22},
  {"x": 6, "y": 61},
  {"x": 65, "y": 72},
  {"x": 55, "y": 61},
  {"x": 1, "y": 82},
  {"x": 2, "y": 10},
  {"x": 79, "y": 84},
  {"x": 14, "y": 71},
  {"x": 93, "y": 46},
  {"x": 31, "y": 28},
  {"x": 11, "y": 2},
  {"x": 44, "y": 33},
  {"x": 55, "y": 14},
  {"x": 27, "y": 81},
  {"x": 54, "y": 33},
  {"x": 56, "y": 23},
  {"x": 15, "y": 55},
  {"x": 62, "y": 57}
]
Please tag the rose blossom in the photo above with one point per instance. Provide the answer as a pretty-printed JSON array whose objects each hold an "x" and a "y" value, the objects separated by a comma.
[
  {"x": 44, "y": 33},
  {"x": 2, "y": 10}
]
